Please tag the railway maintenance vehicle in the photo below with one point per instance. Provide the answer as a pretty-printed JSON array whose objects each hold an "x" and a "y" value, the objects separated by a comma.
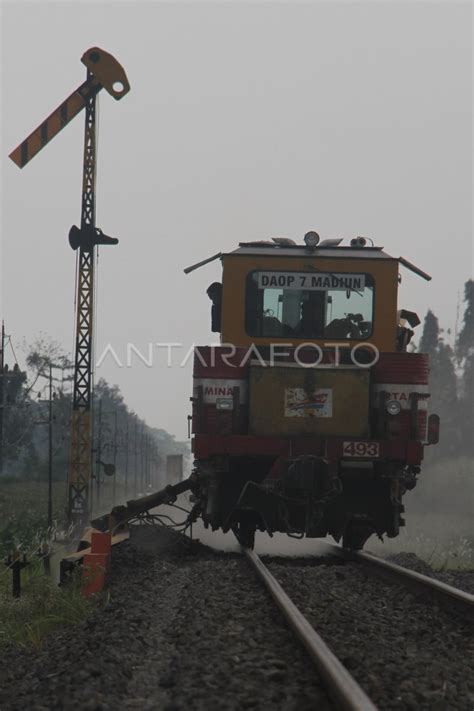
[{"x": 311, "y": 415}]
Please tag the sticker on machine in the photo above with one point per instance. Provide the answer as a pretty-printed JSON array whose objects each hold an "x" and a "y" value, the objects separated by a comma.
[
  {"x": 310, "y": 281},
  {"x": 298, "y": 403},
  {"x": 213, "y": 388},
  {"x": 403, "y": 394}
]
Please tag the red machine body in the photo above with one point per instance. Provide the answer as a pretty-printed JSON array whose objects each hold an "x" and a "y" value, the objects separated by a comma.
[{"x": 314, "y": 437}]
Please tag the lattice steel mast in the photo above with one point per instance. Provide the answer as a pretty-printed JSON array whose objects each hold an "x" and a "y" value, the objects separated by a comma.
[
  {"x": 103, "y": 71},
  {"x": 80, "y": 465}
]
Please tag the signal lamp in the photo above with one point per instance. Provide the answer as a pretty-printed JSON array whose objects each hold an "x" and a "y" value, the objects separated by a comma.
[
  {"x": 109, "y": 469},
  {"x": 393, "y": 407},
  {"x": 311, "y": 239}
]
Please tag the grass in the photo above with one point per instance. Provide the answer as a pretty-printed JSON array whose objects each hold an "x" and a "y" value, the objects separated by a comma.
[
  {"x": 23, "y": 513},
  {"x": 439, "y": 517},
  {"x": 42, "y": 607},
  {"x": 442, "y": 541}
]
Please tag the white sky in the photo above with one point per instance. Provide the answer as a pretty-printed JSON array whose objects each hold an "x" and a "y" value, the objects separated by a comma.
[{"x": 245, "y": 121}]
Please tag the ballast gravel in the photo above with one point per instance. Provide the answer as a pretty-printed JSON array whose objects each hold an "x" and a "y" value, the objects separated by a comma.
[
  {"x": 462, "y": 579},
  {"x": 193, "y": 629},
  {"x": 183, "y": 629},
  {"x": 405, "y": 652}
]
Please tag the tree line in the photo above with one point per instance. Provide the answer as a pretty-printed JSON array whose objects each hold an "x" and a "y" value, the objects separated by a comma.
[
  {"x": 452, "y": 379},
  {"x": 121, "y": 439}
]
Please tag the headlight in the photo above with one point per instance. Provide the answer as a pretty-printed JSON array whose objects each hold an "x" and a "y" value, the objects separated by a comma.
[
  {"x": 393, "y": 407},
  {"x": 224, "y": 403},
  {"x": 311, "y": 239}
]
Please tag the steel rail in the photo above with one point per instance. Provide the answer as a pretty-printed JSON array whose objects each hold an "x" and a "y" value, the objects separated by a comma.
[
  {"x": 345, "y": 691},
  {"x": 418, "y": 582}
]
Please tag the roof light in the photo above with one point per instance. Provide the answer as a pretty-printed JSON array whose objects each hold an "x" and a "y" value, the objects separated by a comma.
[
  {"x": 311, "y": 239},
  {"x": 358, "y": 242}
]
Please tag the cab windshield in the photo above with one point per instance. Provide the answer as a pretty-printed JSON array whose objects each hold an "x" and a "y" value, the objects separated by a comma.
[{"x": 309, "y": 305}]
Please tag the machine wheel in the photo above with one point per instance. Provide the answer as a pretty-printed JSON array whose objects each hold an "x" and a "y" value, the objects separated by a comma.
[{"x": 356, "y": 535}]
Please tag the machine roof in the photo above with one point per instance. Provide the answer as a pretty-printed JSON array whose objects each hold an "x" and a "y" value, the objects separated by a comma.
[{"x": 245, "y": 250}]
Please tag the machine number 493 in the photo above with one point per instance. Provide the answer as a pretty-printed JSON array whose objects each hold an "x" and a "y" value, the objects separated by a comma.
[{"x": 360, "y": 449}]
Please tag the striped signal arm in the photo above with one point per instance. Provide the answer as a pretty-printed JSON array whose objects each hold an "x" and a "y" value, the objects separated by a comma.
[
  {"x": 55, "y": 122},
  {"x": 103, "y": 72}
]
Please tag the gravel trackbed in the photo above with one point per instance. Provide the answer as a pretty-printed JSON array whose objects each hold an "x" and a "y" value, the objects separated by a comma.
[{"x": 193, "y": 629}]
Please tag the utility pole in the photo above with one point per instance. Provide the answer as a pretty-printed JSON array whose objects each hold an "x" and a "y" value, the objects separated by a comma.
[
  {"x": 50, "y": 449},
  {"x": 142, "y": 461},
  {"x": 2, "y": 391},
  {"x": 99, "y": 452},
  {"x": 126, "y": 456},
  {"x": 152, "y": 464},
  {"x": 49, "y": 422},
  {"x": 114, "y": 483},
  {"x": 155, "y": 467},
  {"x": 135, "y": 476},
  {"x": 93, "y": 466},
  {"x": 147, "y": 461}
]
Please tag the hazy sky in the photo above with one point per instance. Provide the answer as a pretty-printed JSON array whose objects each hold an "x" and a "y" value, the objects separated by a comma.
[{"x": 244, "y": 121}]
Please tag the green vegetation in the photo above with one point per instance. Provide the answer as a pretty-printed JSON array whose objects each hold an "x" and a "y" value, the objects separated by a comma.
[
  {"x": 452, "y": 380},
  {"x": 120, "y": 437},
  {"x": 23, "y": 513},
  {"x": 439, "y": 517},
  {"x": 432, "y": 538},
  {"x": 137, "y": 451},
  {"x": 42, "y": 607}
]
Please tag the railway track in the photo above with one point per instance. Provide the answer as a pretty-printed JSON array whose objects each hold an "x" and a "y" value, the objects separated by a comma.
[
  {"x": 430, "y": 588},
  {"x": 347, "y": 694},
  {"x": 201, "y": 633},
  {"x": 342, "y": 687}
]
